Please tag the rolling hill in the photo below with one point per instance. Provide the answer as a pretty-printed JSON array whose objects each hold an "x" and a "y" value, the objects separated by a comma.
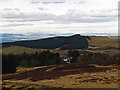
[{"x": 64, "y": 43}]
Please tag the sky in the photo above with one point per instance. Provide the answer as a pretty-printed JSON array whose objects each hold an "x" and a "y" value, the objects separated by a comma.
[{"x": 59, "y": 16}]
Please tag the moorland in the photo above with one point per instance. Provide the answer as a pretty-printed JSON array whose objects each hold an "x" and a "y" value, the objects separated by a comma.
[{"x": 92, "y": 62}]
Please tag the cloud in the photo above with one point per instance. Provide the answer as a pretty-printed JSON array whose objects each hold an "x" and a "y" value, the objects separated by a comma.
[
  {"x": 58, "y": 1},
  {"x": 57, "y": 13},
  {"x": 22, "y": 17},
  {"x": 10, "y": 25},
  {"x": 47, "y": 1},
  {"x": 52, "y": 2},
  {"x": 5, "y": 0},
  {"x": 41, "y": 8},
  {"x": 9, "y": 9},
  {"x": 33, "y": 2},
  {"x": 70, "y": 17},
  {"x": 77, "y": 1}
]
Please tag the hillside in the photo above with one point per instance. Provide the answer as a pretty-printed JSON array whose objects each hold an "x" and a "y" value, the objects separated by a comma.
[
  {"x": 71, "y": 42},
  {"x": 103, "y": 41},
  {"x": 96, "y": 43},
  {"x": 63, "y": 76}
]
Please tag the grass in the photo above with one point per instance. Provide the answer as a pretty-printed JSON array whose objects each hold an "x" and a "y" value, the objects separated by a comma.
[
  {"x": 24, "y": 69},
  {"x": 19, "y": 50},
  {"x": 103, "y": 41},
  {"x": 106, "y": 79},
  {"x": 106, "y": 43},
  {"x": 17, "y": 85},
  {"x": 86, "y": 80}
]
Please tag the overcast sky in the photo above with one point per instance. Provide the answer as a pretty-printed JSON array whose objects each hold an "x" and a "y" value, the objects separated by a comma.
[{"x": 59, "y": 16}]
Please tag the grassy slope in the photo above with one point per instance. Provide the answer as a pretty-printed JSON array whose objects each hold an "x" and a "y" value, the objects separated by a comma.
[
  {"x": 107, "y": 79},
  {"x": 19, "y": 50},
  {"x": 103, "y": 41}
]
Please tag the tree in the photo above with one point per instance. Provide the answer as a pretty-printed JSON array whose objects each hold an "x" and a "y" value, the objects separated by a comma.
[
  {"x": 34, "y": 62},
  {"x": 9, "y": 64},
  {"x": 74, "y": 54}
]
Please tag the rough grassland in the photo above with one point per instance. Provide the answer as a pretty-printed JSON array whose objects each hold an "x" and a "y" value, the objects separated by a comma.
[
  {"x": 103, "y": 41},
  {"x": 19, "y": 50},
  {"x": 66, "y": 76}
]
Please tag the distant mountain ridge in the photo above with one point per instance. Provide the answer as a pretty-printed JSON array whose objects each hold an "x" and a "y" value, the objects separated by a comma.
[{"x": 63, "y": 42}]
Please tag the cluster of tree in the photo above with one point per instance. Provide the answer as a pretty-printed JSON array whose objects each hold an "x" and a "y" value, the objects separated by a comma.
[
  {"x": 11, "y": 61},
  {"x": 93, "y": 58},
  {"x": 74, "y": 54}
]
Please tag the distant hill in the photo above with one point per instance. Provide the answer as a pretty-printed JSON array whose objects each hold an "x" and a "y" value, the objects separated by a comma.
[{"x": 63, "y": 42}]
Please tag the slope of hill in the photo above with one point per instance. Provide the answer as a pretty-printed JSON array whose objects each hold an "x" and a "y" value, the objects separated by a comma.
[
  {"x": 103, "y": 41},
  {"x": 96, "y": 43},
  {"x": 71, "y": 42},
  {"x": 65, "y": 76}
]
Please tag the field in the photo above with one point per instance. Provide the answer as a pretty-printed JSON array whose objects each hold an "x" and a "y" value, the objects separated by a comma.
[
  {"x": 64, "y": 76},
  {"x": 80, "y": 75},
  {"x": 103, "y": 41}
]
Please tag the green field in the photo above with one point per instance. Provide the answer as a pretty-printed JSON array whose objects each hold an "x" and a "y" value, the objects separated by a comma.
[
  {"x": 19, "y": 50},
  {"x": 106, "y": 43}
]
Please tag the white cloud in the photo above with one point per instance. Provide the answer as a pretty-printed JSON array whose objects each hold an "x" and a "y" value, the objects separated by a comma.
[
  {"x": 54, "y": 15},
  {"x": 71, "y": 16}
]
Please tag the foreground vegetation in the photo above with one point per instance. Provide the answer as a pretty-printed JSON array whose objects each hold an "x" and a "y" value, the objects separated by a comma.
[{"x": 69, "y": 76}]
